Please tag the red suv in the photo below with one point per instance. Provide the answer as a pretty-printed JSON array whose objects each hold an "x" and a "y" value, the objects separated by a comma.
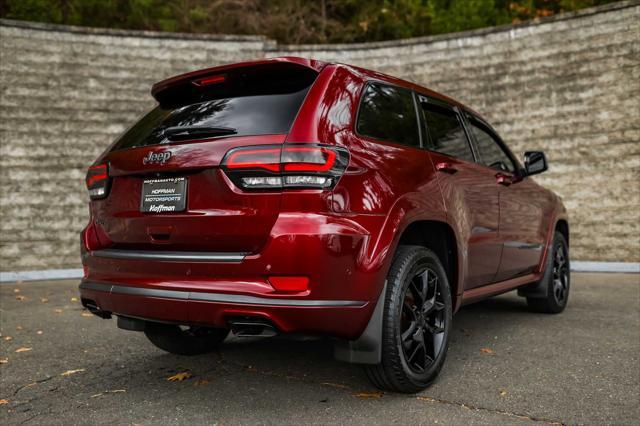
[{"x": 292, "y": 195}]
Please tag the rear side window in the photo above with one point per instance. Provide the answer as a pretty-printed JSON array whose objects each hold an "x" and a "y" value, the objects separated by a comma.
[
  {"x": 491, "y": 153},
  {"x": 388, "y": 113},
  {"x": 446, "y": 133},
  {"x": 259, "y": 102}
]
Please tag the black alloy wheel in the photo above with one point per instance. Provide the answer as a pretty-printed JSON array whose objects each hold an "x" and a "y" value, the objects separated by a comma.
[
  {"x": 416, "y": 322},
  {"x": 422, "y": 321},
  {"x": 560, "y": 275}
]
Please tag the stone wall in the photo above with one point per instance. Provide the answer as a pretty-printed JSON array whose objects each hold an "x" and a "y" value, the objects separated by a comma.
[{"x": 569, "y": 85}]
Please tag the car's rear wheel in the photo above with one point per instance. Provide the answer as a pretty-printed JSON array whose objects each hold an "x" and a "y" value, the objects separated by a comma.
[
  {"x": 416, "y": 322},
  {"x": 557, "y": 278},
  {"x": 179, "y": 340}
]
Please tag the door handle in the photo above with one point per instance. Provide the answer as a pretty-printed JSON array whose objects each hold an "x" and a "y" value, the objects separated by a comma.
[
  {"x": 503, "y": 179},
  {"x": 446, "y": 167}
]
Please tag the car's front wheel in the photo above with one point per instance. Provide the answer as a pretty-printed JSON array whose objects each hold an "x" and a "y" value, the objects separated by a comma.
[
  {"x": 416, "y": 322},
  {"x": 184, "y": 340}
]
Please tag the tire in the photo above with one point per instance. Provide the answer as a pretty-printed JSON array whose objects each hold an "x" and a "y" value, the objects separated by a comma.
[
  {"x": 417, "y": 308},
  {"x": 557, "y": 278},
  {"x": 191, "y": 341}
]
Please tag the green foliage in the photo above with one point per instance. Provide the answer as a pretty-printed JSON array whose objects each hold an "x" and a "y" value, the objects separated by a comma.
[{"x": 293, "y": 21}]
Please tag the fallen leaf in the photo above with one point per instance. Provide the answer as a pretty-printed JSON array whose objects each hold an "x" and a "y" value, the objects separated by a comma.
[
  {"x": 86, "y": 314},
  {"x": 74, "y": 299},
  {"x": 202, "y": 382},
  {"x": 503, "y": 393},
  {"x": 7, "y": 338},
  {"x": 44, "y": 300},
  {"x": 486, "y": 351},
  {"x": 57, "y": 311},
  {"x": 426, "y": 398},
  {"x": 3, "y": 402},
  {"x": 368, "y": 395},
  {"x": 23, "y": 350},
  {"x": 70, "y": 372},
  {"x": 180, "y": 377},
  {"x": 4, "y": 360},
  {"x": 39, "y": 332},
  {"x": 335, "y": 385},
  {"x": 21, "y": 298},
  {"x": 16, "y": 290}
]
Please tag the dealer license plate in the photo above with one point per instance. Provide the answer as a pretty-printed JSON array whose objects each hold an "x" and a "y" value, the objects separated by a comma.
[{"x": 164, "y": 195}]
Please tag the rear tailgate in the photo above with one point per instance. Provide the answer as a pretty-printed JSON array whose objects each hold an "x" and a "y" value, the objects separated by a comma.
[{"x": 259, "y": 104}]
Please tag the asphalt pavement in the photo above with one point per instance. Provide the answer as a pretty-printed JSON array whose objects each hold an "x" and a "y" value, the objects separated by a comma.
[{"x": 506, "y": 365}]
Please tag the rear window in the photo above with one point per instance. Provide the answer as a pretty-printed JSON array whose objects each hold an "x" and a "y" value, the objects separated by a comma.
[
  {"x": 258, "y": 101},
  {"x": 388, "y": 113}
]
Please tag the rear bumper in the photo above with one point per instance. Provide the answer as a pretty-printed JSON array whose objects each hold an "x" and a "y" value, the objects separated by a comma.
[
  {"x": 339, "y": 318},
  {"x": 210, "y": 288}
]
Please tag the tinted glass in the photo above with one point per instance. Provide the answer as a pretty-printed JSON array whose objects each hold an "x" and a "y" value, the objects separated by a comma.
[
  {"x": 388, "y": 113},
  {"x": 446, "y": 133},
  {"x": 491, "y": 154},
  {"x": 249, "y": 115},
  {"x": 253, "y": 100}
]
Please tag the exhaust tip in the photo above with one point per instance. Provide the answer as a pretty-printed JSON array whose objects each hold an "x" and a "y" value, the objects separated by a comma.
[
  {"x": 248, "y": 327},
  {"x": 93, "y": 307}
]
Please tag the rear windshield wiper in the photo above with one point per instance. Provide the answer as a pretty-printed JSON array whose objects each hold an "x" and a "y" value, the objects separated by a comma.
[{"x": 196, "y": 132}]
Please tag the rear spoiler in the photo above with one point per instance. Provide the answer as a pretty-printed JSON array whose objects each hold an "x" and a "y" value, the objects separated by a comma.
[{"x": 182, "y": 85}]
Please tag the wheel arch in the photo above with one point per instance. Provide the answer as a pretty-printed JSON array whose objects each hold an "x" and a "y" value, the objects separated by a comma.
[
  {"x": 439, "y": 237},
  {"x": 436, "y": 235}
]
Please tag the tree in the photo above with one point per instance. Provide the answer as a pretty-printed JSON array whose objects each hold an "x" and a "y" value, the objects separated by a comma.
[{"x": 293, "y": 21}]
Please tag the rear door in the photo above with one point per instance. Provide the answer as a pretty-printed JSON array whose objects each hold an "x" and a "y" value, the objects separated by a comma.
[
  {"x": 469, "y": 190},
  {"x": 521, "y": 205},
  {"x": 167, "y": 190}
]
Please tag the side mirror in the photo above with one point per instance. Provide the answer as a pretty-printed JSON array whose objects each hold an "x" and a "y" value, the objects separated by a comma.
[{"x": 534, "y": 162}]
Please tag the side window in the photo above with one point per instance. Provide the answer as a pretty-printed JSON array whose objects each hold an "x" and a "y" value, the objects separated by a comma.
[
  {"x": 445, "y": 130},
  {"x": 388, "y": 113},
  {"x": 491, "y": 153}
]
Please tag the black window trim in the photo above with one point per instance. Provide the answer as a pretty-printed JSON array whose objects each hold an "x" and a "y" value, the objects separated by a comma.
[
  {"x": 371, "y": 82},
  {"x": 463, "y": 115},
  {"x": 470, "y": 118},
  {"x": 423, "y": 126}
]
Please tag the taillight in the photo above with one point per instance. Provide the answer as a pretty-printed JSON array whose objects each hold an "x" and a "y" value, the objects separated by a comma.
[
  {"x": 98, "y": 181},
  {"x": 208, "y": 81},
  {"x": 286, "y": 166}
]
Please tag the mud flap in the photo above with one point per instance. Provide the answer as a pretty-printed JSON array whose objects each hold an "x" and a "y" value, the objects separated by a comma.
[
  {"x": 367, "y": 348},
  {"x": 540, "y": 289}
]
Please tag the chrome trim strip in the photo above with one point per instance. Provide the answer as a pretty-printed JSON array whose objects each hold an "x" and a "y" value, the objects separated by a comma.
[
  {"x": 169, "y": 256},
  {"x": 216, "y": 297},
  {"x": 523, "y": 246}
]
